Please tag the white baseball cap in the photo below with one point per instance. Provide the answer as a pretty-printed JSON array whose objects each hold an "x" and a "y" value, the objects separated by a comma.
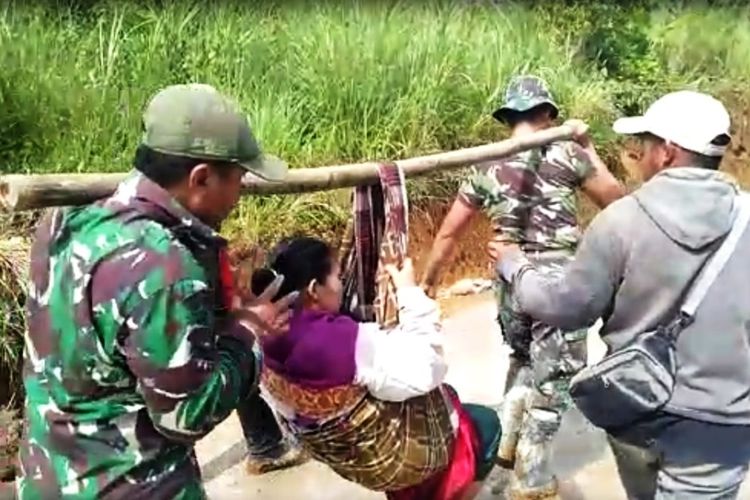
[{"x": 692, "y": 120}]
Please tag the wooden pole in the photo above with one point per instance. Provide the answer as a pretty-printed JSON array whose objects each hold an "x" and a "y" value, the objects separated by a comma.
[{"x": 28, "y": 192}]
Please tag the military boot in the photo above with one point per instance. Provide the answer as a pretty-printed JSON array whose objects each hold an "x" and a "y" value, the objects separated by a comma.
[
  {"x": 533, "y": 477},
  {"x": 518, "y": 392},
  {"x": 289, "y": 456}
]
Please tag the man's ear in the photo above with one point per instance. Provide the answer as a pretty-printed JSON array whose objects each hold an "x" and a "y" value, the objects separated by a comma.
[
  {"x": 199, "y": 175},
  {"x": 670, "y": 152}
]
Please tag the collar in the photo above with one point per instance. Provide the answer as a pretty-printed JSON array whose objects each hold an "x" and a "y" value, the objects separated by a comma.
[
  {"x": 695, "y": 173},
  {"x": 144, "y": 196}
]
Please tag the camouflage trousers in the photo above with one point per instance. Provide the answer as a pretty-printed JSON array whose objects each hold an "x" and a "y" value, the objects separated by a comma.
[{"x": 543, "y": 360}]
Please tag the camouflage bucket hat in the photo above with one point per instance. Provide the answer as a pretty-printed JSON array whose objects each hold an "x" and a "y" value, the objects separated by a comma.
[
  {"x": 525, "y": 93},
  {"x": 196, "y": 121}
]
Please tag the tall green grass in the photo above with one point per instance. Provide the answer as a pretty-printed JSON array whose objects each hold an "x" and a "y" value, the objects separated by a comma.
[{"x": 328, "y": 82}]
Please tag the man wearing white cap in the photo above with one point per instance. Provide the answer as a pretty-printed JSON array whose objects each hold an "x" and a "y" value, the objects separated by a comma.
[{"x": 635, "y": 268}]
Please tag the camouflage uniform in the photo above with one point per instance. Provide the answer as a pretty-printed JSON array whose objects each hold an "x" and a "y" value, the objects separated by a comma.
[
  {"x": 531, "y": 200},
  {"x": 131, "y": 355}
]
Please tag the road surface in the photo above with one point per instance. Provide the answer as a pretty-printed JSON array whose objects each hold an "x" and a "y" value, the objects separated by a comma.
[{"x": 478, "y": 360}]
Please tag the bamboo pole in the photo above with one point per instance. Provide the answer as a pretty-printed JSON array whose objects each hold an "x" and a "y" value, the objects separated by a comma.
[{"x": 27, "y": 192}]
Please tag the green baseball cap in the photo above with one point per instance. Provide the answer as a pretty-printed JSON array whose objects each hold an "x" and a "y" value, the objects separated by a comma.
[
  {"x": 524, "y": 93},
  {"x": 196, "y": 121}
]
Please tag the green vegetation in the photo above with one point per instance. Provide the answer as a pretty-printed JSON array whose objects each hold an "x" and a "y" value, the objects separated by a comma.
[
  {"x": 14, "y": 264},
  {"x": 328, "y": 82},
  {"x": 324, "y": 83}
]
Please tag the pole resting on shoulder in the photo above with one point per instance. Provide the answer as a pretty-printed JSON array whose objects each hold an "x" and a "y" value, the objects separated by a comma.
[{"x": 28, "y": 192}]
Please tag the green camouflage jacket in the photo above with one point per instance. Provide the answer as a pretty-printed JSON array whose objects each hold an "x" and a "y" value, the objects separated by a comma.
[
  {"x": 130, "y": 355},
  {"x": 531, "y": 197}
]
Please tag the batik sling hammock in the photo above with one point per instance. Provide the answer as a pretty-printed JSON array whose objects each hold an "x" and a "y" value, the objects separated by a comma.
[
  {"x": 383, "y": 446},
  {"x": 377, "y": 236}
]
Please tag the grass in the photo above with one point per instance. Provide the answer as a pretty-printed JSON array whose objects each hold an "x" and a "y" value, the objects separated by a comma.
[
  {"x": 706, "y": 44},
  {"x": 324, "y": 84},
  {"x": 321, "y": 84},
  {"x": 14, "y": 264}
]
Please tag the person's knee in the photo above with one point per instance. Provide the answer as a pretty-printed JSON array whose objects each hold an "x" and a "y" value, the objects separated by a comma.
[{"x": 488, "y": 429}]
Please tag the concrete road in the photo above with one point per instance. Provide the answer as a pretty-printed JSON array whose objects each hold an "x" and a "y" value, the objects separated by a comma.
[{"x": 478, "y": 360}]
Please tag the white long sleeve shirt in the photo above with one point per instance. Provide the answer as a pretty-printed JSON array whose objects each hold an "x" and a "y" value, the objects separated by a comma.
[
  {"x": 407, "y": 360},
  {"x": 400, "y": 363}
]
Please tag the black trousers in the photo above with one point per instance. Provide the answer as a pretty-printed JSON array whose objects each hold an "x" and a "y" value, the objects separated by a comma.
[{"x": 262, "y": 432}]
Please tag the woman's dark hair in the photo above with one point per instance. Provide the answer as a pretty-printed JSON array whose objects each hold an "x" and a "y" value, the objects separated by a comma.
[
  {"x": 300, "y": 260},
  {"x": 165, "y": 169}
]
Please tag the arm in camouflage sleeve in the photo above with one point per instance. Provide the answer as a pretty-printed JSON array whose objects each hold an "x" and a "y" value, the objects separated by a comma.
[
  {"x": 190, "y": 371},
  {"x": 190, "y": 378},
  {"x": 596, "y": 180},
  {"x": 578, "y": 296}
]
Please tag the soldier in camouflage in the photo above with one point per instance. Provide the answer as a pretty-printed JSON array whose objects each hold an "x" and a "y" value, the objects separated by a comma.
[
  {"x": 133, "y": 350},
  {"x": 531, "y": 200}
]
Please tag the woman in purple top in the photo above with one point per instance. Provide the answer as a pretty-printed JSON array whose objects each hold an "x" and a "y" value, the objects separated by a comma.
[{"x": 371, "y": 403}]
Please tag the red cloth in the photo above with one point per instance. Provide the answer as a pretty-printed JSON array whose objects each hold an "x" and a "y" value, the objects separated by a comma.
[
  {"x": 226, "y": 278},
  {"x": 461, "y": 472}
]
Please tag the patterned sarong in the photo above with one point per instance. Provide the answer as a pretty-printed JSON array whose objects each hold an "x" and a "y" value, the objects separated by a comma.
[
  {"x": 383, "y": 446},
  {"x": 408, "y": 449},
  {"x": 377, "y": 236},
  {"x": 386, "y": 446}
]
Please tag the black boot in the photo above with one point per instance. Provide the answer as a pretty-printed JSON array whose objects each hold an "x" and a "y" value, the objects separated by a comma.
[{"x": 269, "y": 447}]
